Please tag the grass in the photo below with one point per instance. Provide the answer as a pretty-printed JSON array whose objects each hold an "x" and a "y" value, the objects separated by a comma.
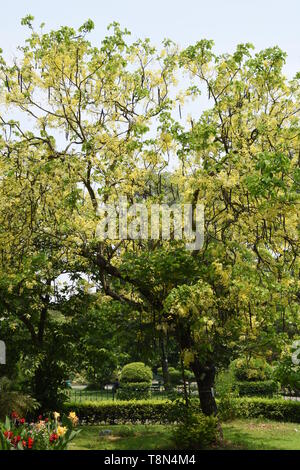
[
  {"x": 261, "y": 435},
  {"x": 239, "y": 434},
  {"x": 122, "y": 437}
]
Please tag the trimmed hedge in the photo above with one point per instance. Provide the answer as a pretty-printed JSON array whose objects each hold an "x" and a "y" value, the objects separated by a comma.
[
  {"x": 131, "y": 391},
  {"x": 276, "y": 409},
  {"x": 263, "y": 388},
  {"x": 165, "y": 411},
  {"x": 122, "y": 412}
]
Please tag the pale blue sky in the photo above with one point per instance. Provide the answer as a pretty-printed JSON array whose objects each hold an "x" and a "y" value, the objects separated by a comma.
[{"x": 228, "y": 22}]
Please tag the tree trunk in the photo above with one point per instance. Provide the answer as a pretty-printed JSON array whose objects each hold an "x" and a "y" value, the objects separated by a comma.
[
  {"x": 164, "y": 361},
  {"x": 205, "y": 377}
]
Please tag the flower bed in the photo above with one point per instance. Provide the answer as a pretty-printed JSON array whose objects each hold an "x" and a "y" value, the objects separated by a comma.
[{"x": 44, "y": 434}]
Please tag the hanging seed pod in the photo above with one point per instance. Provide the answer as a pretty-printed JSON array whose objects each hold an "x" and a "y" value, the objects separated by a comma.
[
  {"x": 158, "y": 95},
  {"x": 49, "y": 93},
  {"x": 7, "y": 83},
  {"x": 179, "y": 109}
]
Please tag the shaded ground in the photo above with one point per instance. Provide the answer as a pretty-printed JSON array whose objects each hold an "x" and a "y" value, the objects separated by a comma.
[
  {"x": 258, "y": 434},
  {"x": 238, "y": 434}
]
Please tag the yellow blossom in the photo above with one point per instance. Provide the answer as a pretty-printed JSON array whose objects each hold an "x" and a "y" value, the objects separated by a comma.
[
  {"x": 73, "y": 418},
  {"x": 61, "y": 430}
]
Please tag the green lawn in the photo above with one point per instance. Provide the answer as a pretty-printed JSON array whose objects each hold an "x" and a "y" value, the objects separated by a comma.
[
  {"x": 265, "y": 435},
  {"x": 238, "y": 434},
  {"x": 135, "y": 437}
]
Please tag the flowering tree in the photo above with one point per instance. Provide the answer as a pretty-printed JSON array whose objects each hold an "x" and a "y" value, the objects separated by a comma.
[{"x": 101, "y": 124}]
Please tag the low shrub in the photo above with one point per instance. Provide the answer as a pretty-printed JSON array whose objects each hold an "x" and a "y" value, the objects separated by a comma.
[
  {"x": 166, "y": 411},
  {"x": 133, "y": 391},
  {"x": 263, "y": 388},
  {"x": 122, "y": 412},
  {"x": 196, "y": 431},
  {"x": 276, "y": 409}
]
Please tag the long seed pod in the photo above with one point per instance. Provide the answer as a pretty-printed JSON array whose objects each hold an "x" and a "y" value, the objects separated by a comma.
[{"x": 7, "y": 83}]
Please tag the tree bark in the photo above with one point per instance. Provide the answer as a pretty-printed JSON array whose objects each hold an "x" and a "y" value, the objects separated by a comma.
[
  {"x": 205, "y": 377},
  {"x": 164, "y": 361}
]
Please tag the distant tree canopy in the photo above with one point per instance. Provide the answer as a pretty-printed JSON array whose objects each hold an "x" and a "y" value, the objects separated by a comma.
[{"x": 83, "y": 125}]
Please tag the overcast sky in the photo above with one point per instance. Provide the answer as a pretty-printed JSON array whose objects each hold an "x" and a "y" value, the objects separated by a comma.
[{"x": 228, "y": 22}]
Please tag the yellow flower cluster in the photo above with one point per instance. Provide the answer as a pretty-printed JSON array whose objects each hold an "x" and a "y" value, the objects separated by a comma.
[{"x": 73, "y": 418}]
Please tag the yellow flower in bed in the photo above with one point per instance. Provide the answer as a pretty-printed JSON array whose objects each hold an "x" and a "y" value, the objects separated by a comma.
[
  {"x": 73, "y": 418},
  {"x": 61, "y": 430}
]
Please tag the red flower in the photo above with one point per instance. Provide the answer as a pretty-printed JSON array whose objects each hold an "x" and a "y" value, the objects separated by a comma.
[
  {"x": 22, "y": 421},
  {"x": 24, "y": 443},
  {"x": 46, "y": 420},
  {"x": 8, "y": 434},
  {"x": 14, "y": 415},
  {"x": 30, "y": 442},
  {"x": 53, "y": 437},
  {"x": 40, "y": 417}
]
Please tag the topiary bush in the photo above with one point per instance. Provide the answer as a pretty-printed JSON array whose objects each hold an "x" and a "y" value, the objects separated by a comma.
[
  {"x": 135, "y": 382},
  {"x": 136, "y": 372},
  {"x": 131, "y": 391}
]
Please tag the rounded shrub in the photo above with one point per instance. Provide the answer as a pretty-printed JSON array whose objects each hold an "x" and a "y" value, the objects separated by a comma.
[
  {"x": 135, "y": 382},
  {"x": 251, "y": 370},
  {"x": 136, "y": 372}
]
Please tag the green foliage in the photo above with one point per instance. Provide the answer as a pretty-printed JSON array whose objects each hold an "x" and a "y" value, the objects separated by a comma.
[
  {"x": 288, "y": 373},
  {"x": 12, "y": 400},
  {"x": 226, "y": 390},
  {"x": 268, "y": 408},
  {"x": 119, "y": 412},
  {"x": 259, "y": 388},
  {"x": 196, "y": 431},
  {"x": 136, "y": 372},
  {"x": 253, "y": 369},
  {"x": 133, "y": 391},
  {"x": 175, "y": 375}
]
